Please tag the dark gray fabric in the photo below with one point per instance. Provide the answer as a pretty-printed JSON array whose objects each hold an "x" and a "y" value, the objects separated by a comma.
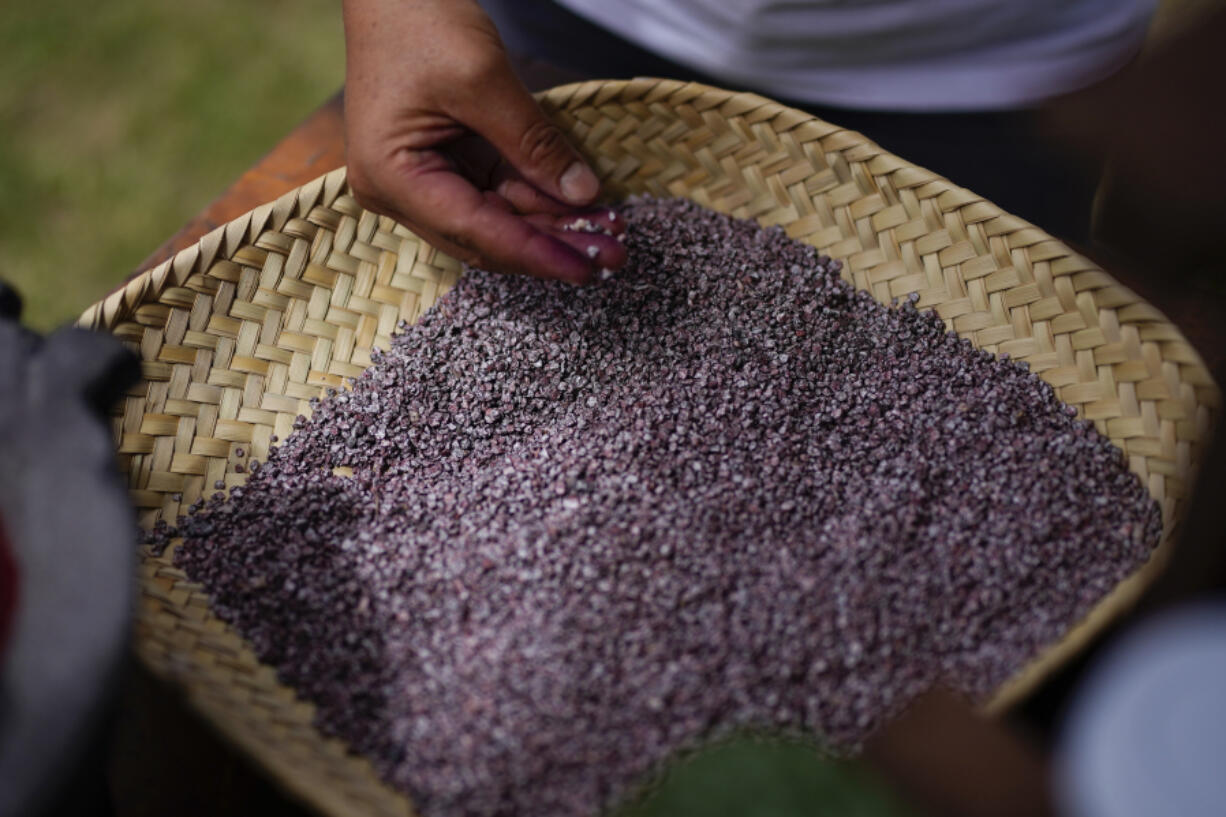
[{"x": 67, "y": 516}]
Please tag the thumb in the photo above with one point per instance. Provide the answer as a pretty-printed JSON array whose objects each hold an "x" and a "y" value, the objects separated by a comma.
[{"x": 509, "y": 118}]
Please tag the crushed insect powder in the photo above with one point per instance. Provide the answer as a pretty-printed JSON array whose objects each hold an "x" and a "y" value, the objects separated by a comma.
[{"x": 586, "y": 528}]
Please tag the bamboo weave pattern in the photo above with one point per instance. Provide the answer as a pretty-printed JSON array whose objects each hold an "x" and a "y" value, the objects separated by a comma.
[{"x": 239, "y": 331}]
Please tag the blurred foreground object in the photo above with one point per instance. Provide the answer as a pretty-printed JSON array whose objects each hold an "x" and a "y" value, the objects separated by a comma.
[
  {"x": 1146, "y": 732},
  {"x": 950, "y": 760},
  {"x": 72, "y": 538},
  {"x": 1160, "y": 126}
]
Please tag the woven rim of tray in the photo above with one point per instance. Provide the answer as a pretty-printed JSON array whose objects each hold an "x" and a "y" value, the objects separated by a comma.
[{"x": 237, "y": 332}]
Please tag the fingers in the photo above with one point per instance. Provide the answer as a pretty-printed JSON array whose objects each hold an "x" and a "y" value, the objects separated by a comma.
[
  {"x": 508, "y": 116},
  {"x": 476, "y": 159},
  {"x": 514, "y": 229},
  {"x": 425, "y": 191},
  {"x": 604, "y": 251}
]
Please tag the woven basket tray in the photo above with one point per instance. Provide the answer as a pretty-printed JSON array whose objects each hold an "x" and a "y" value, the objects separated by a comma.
[{"x": 239, "y": 331}]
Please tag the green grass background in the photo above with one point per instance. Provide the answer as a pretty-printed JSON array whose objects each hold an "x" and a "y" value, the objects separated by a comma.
[
  {"x": 119, "y": 121},
  {"x": 757, "y": 777}
]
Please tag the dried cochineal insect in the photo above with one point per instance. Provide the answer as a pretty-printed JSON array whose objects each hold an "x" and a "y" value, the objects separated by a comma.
[{"x": 554, "y": 535}]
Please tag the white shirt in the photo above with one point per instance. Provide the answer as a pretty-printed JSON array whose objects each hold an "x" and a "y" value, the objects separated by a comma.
[{"x": 888, "y": 54}]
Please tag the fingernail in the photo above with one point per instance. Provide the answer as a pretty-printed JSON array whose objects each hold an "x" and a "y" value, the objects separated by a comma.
[{"x": 579, "y": 183}]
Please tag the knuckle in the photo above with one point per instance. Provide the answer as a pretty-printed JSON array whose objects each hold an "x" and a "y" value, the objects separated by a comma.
[
  {"x": 541, "y": 142},
  {"x": 479, "y": 66},
  {"x": 359, "y": 182},
  {"x": 360, "y": 170},
  {"x": 460, "y": 245},
  {"x": 369, "y": 179},
  {"x": 362, "y": 188},
  {"x": 458, "y": 241}
]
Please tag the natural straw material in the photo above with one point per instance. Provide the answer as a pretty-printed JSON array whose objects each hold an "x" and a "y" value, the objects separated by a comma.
[{"x": 238, "y": 332}]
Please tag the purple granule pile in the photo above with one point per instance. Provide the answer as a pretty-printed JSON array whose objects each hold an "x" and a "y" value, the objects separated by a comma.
[{"x": 588, "y": 528}]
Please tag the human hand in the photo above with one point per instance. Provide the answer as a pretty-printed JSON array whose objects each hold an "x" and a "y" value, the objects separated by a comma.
[{"x": 442, "y": 137}]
